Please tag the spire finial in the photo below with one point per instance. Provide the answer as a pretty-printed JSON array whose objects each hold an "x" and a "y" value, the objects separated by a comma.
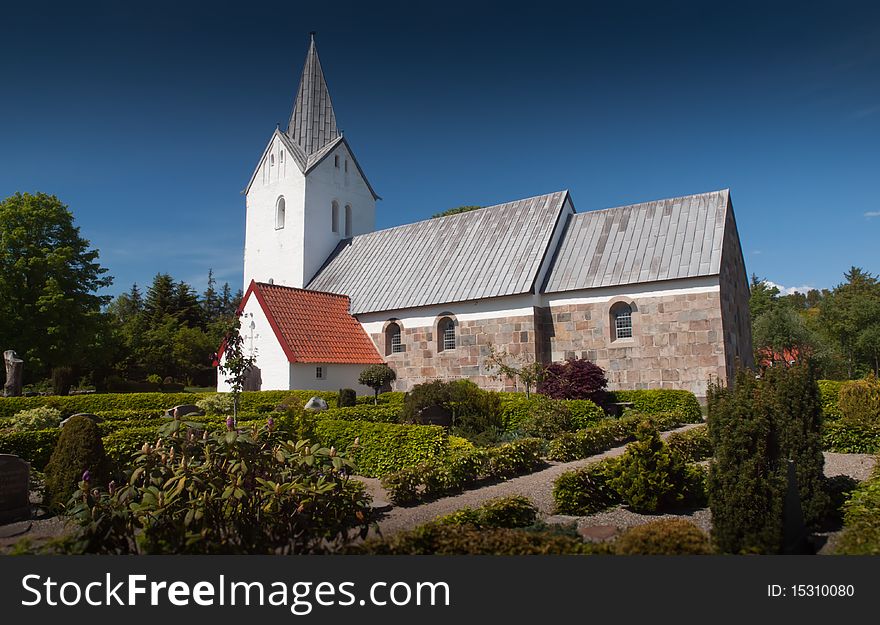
[{"x": 312, "y": 34}]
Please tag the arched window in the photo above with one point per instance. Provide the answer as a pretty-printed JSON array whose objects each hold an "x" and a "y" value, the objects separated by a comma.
[
  {"x": 621, "y": 321},
  {"x": 279, "y": 213},
  {"x": 347, "y": 221},
  {"x": 445, "y": 334},
  {"x": 393, "y": 343},
  {"x": 334, "y": 217}
]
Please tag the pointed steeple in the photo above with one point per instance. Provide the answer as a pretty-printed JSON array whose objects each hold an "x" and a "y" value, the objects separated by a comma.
[{"x": 313, "y": 122}]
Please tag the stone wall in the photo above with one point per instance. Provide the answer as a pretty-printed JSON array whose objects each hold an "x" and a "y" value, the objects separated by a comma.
[
  {"x": 677, "y": 340},
  {"x": 422, "y": 362},
  {"x": 735, "y": 301}
]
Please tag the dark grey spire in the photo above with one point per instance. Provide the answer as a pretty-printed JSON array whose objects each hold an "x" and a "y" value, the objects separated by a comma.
[{"x": 313, "y": 123}]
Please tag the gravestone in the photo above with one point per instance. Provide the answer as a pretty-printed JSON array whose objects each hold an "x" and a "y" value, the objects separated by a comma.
[
  {"x": 178, "y": 412},
  {"x": 316, "y": 404},
  {"x": 92, "y": 417},
  {"x": 15, "y": 476},
  {"x": 14, "y": 368}
]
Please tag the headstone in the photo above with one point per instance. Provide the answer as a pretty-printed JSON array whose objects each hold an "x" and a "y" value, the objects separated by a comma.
[
  {"x": 316, "y": 404},
  {"x": 93, "y": 417},
  {"x": 14, "y": 489},
  {"x": 14, "y": 368},
  {"x": 435, "y": 415},
  {"x": 178, "y": 412},
  {"x": 794, "y": 532}
]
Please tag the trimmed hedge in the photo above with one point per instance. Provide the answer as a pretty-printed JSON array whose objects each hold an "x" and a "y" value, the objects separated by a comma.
[
  {"x": 692, "y": 445},
  {"x": 851, "y": 438},
  {"x": 394, "y": 397},
  {"x": 655, "y": 401},
  {"x": 861, "y": 519},
  {"x": 383, "y": 413},
  {"x": 384, "y": 447},
  {"x": 587, "y": 490},
  {"x": 35, "y": 447},
  {"x": 516, "y": 409},
  {"x": 514, "y": 511},
  {"x": 449, "y": 475},
  {"x": 859, "y": 401},
  {"x": 829, "y": 394}
]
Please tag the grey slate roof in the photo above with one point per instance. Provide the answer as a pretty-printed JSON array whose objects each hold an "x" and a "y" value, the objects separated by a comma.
[
  {"x": 490, "y": 252},
  {"x": 661, "y": 240},
  {"x": 313, "y": 123}
]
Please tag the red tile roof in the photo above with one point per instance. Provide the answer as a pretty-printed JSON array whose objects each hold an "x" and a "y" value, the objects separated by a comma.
[{"x": 312, "y": 326}]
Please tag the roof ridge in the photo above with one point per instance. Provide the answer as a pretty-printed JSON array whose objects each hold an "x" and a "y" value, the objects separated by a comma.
[
  {"x": 295, "y": 288},
  {"x": 665, "y": 199}
]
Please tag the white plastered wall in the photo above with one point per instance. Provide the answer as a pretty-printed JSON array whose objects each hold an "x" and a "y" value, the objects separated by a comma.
[{"x": 335, "y": 376}]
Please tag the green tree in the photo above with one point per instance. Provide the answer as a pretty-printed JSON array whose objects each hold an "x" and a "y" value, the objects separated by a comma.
[
  {"x": 49, "y": 278},
  {"x": 850, "y": 309},
  {"x": 762, "y": 297},
  {"x": 780, "y": 333},
  {"x": 377, "y": 377}
]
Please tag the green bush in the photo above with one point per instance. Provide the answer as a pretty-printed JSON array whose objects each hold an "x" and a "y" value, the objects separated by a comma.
[
  {"x": 39, "y": 418},
  {"x": 79, "y": 450},
  {"x": 839, "y": 489},
  {"x": 382, "y": 413},
  {"x": 692, "y": 445},
  {"x": 234, "y": 492},
  {"x": 663, "y": 537},
  {"x": 439, "y": 539},
  {"x": 587, "y": 490},
  {"x": 649, "y": 477},
  {"x": 33, "y": 447},
  {"x": 383, "y": 447},
  {"x": 510, "y": 512},
  {"x": 851, "y": 438},
  {"x": 216, "y": 404},
  {"x": 859, "y": 401},
  {"x": 514, "y": 458},
  {"x": 392, "y": 397},
  {"x": 662, "y": 401},
  {"x": 347, "y": 397},
  {"x": 861, "y": 519},
  {"x": 829, "y": 393},
  {"x": 473, "y": 410}
]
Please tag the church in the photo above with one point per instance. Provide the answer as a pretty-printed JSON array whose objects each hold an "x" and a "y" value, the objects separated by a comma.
[{"x": 655, "y": 293}]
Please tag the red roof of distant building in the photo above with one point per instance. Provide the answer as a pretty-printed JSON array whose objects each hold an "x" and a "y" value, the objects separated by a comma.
[{"x": 312, "y": 326}]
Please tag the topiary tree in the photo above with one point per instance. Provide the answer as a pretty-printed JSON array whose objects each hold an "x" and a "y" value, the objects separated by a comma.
[
  {"x": 574, "y": 379},
  {"x": 746, "y": 484},
  {"x": 377, "y": 377},
  {"x": 79, "y": 455},
  {"x": 649, "y": 476}
]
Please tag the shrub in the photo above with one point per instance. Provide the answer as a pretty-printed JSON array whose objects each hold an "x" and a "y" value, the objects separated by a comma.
[
  {"x": 587, "y": 490},
  {"x": 859, "y": 401},
  {"x": 861, "y": 519},
  {"x": 79, "y": 450},
  {"x": 655, "y": 401},
  {"x": 514, "y": 458},
  {"x": 514, "y": 511},
  {"x": 746, "y": 483},
  {"x": 664, "y": 537},
  {"x": 649, "y": 477},
  {"x": 39, "y": 418},
  {"x": 439, "y": 539},
  {"x": 383, "y": 447},
  {"x": 473, "y": 410},
  {"x": 347, "y": 397},
  {"x": 851, "y": 438},
  {"x": 691, "y": 445},
  {"x": 584, "y": 413},
  {"x": 829, "y": 393},
  {"x": 216, "y": 404},
  {"x": 574, "y": 379},
  {"x": 377, "y": 377},
  {"x": 383, "y": 413},
  {"x": 33, "y": 447},
  {"x": 839, "y": 489},
  {"x": 231, "y": 492}
]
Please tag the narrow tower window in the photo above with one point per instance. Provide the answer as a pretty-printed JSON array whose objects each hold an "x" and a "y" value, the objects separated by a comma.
[
  {"x": 279, "y": 213},
  {"x": 336, "y": 161},
  {"x": 347, "y": 221},
  {"x": 346, "y": 165},
  {"x": 334, "y": 217}
]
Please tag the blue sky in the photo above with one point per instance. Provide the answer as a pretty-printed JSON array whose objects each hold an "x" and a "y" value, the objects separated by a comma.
[{"x": 147, "y": 120}]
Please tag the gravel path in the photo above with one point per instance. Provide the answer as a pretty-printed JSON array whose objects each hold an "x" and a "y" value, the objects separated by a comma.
[{"x": 536, "y": 486}]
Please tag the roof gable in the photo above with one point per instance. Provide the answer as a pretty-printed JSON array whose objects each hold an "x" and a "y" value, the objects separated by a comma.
[
  {"x": 661, "y": 240},
  {"x": 313, "y": 327},
  {"x": 490, "y": 252}
]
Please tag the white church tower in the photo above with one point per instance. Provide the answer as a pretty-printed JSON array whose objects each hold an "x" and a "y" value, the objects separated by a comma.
[{"x": 308, "y": 192}]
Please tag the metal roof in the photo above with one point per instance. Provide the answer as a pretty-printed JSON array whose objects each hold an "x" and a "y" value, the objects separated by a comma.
[
  {"x": 313, "y": 122},
  {"x": 661, "y": 240},
  {"x": 490, "y": 252}
]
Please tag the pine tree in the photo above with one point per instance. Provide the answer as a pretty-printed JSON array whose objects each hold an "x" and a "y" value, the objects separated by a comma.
[
  {"x": 210, "y": 301},
  {"x": 160, "y": 300}
]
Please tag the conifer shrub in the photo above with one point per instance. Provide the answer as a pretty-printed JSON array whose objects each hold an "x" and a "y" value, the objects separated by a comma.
[
  {"x": 347, "y": 397},
  {"x": 859, "y": 402},
  {"x": 574, "y": 379},
  {"x": 514, "y": 511},
  {"x": 747, "y": 482},
  {"x": 587, "y": 490},
  {"x": 663, "y": 537},
  {"x": 79, "y": 451},
  {"x": 649, "y": 477}
]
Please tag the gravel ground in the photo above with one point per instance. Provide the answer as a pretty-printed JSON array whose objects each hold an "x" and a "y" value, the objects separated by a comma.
[
  {"x": 536, "y": 486},
  {"x": 857, "y": 466}
]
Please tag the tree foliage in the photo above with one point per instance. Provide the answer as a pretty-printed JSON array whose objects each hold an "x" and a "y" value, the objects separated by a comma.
[
  {"x": 377, "y": 377},
  {"x": 574, "y": 379}
]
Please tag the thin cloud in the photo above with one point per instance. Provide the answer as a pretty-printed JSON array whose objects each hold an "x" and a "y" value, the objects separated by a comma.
[
  {"x": 871, "y": 214},
  {"x": 789, "y": 290}
]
